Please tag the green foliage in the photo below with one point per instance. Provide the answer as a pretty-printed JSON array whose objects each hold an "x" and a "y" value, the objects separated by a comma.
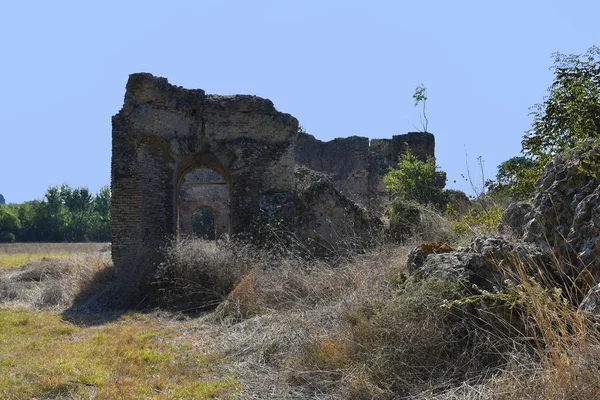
[
  {"x": 420, "y": 96},
  {"x": 516, "y": 177},
  {"x": 479, "y": 220},
  {"x": 571, "y": 111},
  {"x": 414, "y": 180},
  {"x": 65, "y": 215},
  {"x": 9, "y": 224},
  {"x": 404, "y": 217},
  {"x": 203, "y": 223}
]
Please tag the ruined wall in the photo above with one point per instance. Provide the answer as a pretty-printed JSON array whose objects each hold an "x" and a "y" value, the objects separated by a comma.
[
  {"x": 164, "y": 131},
  {"x": 357, "y": 165},
  {"x": 175, "y": 150},
  {"x": 327, "y": 220},
  {"x": 203, "y": 187}
]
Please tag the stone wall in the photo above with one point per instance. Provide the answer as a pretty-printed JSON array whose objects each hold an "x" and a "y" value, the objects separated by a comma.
[
  {"x": 175, "y": 150},
  {"x": 357, "y": 165},
  {"x": 164, "y": 131}
]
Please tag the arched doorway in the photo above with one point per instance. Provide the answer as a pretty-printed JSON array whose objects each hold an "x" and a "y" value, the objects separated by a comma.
[
  {"x": 203, "y": 204},
  {"x": 203, "y": 223}
]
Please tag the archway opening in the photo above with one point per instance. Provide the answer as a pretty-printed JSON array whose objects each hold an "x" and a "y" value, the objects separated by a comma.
[
  {"x": 203, "y": 203},
  {"x": 203, "y": 223}
]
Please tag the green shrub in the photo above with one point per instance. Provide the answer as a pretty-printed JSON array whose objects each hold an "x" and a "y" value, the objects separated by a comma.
[
  {"x": 404, "y": 217},
  {"x": 415, "y": 180},
  {"x": 479, "y": 220}
]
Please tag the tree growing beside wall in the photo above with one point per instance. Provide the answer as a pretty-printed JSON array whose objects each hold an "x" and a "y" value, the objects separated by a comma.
[
  {"x": 420, "y": 97},
  {"x": 414, "y": 180}
]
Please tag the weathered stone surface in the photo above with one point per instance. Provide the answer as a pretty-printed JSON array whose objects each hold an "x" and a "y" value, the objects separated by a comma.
[
  {"x": 512, "y": 219},
  {"x": 326, "y": 219},
  {"x": 164, "y": 131},
  {"x": 357, "y": 165},
  {"x": 566, "y": 212},
  {"x": 175, "y": 150},
  {"x": 591, "y": 302},
  {"x": 483, "y": 263},
  {"x": 417, "y": 256},
  {"x": 203, "y": 187}
]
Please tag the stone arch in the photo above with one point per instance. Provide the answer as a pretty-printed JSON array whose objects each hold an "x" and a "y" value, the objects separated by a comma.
[
  {"x": 203, "y": 183},
  {"x": 164, "y": 131}
]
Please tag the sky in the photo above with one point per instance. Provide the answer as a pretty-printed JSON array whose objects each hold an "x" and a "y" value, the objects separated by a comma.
[{"x": 342, "y": 68}]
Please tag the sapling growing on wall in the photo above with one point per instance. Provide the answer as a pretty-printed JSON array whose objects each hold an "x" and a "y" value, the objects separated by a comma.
[{"x": 420, "y": 97}]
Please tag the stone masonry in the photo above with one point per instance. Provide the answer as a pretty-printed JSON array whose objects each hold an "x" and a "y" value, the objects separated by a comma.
[
  {"x": 164, "y": 131},
  {"x": 357, "y": 165},
  {"x": 175, "y": 150}
]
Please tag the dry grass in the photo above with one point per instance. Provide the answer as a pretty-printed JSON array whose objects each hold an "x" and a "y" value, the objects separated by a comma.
[
  {"x": 15, "y": 254},
  {"x": 54, "y": 283},
  {"x": 361, "y": 331},
  {"x": 565, "y": 340},
  {"x": 135, "y": 357},
  {"x": 290, "y": 328},
  {"x": 196, "y": 274}
]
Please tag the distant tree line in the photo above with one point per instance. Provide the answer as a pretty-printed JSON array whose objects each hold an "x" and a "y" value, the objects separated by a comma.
[{"x": 64, "y": 215}]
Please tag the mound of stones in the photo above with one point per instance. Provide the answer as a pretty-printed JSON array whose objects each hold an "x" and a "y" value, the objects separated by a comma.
[{"x": 560, "y": 230}]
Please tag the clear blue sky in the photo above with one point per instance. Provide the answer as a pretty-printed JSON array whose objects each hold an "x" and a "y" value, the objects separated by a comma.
[{"x": 341, "y": 67}]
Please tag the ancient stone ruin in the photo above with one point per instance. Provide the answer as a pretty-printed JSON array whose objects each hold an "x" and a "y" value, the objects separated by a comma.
[
  {"x": 357, "y": 164},
  {"x": 175, "y": 151}
]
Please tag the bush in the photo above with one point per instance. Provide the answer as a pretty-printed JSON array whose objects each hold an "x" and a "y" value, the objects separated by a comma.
[
  {"x": 404, "y": 218},
  {"x": 479, "y": 221},
  {"x": 415, "y": 180},
  {"x": 411, "y": 343},
  {"x": 198, "y": 274}
]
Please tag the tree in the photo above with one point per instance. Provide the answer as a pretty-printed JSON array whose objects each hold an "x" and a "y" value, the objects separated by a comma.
[
  {"x": 9, "y": 224},
  {"x": 516, "y": 177},
  {"x": 420, "y": 96},
  {"x": 100, "y": 220},
  {"x": 79, "y": 205},
  {"x": 415, "y": 180},
  {"x": 571, "y": 111},
  {"x": 2, "y": 200}
]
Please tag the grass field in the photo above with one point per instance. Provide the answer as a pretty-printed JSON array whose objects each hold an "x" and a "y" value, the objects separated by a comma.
[
  {"x": 14, "y": 254},
  {"x": 133, "y": 356},
  {"x": 240, "y": 322}
]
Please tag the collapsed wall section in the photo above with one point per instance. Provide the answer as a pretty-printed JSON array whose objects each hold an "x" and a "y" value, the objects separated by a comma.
[{"x": 356, "y": 165}]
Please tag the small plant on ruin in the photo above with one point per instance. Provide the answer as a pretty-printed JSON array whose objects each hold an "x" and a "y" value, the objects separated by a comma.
[{"x": 420, "y": 97}]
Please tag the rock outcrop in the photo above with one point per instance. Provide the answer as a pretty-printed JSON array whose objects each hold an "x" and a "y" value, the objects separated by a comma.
[
  {"x": 511, "y": 222},
  {"x": 565, "y": 215},
  {"x": 485, "y": 262}
]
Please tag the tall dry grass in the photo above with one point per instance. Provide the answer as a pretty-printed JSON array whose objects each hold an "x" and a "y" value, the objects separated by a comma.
[
  {"x": 362, "y": 329},
  {"x": 358, "y": 327},
  {"x": 55, "y": 282}
]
